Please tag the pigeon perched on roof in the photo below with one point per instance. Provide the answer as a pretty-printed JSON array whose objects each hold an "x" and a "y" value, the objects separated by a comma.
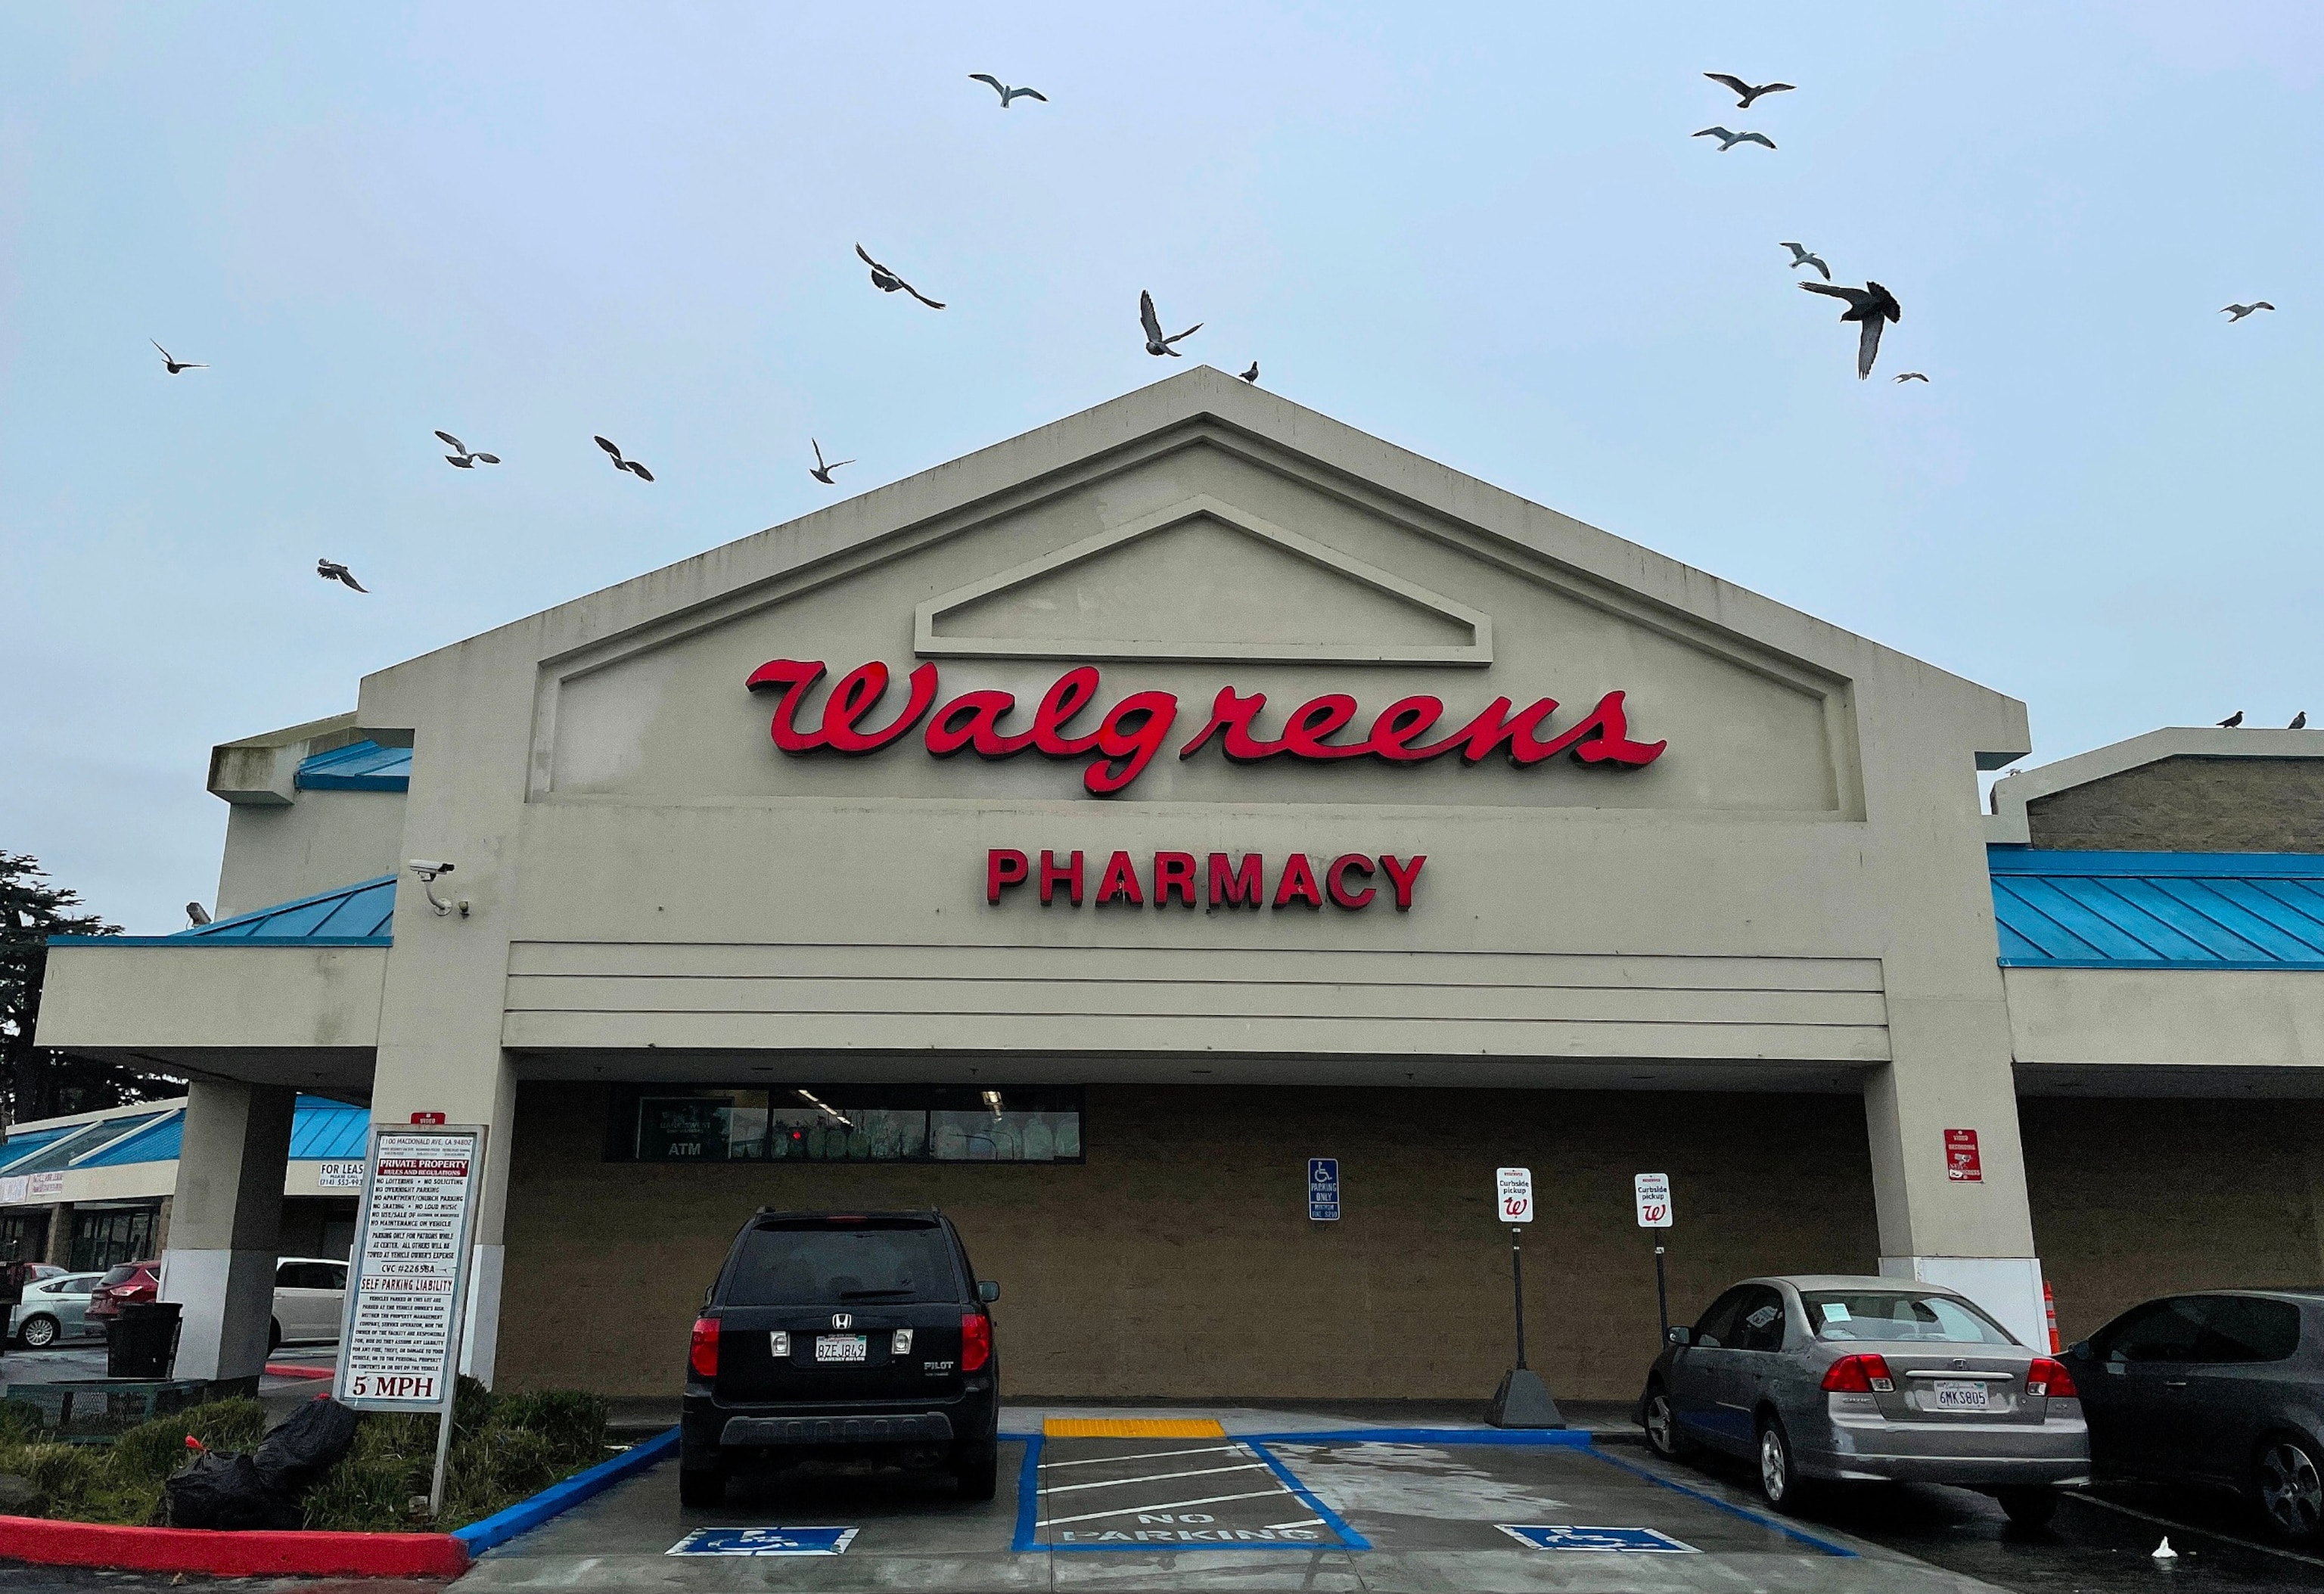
[
  {"x": 2232, "y": 721},
  {"x": 2236, "y": 312},
  {"x": 1746, "y": 92},
  {"x": 1801, "y": 255},
  {"x": 173, "y": 365},
  {"x": 1728, "y": 140},
  {"x": 1871, "y": 304},
  {"x": 1005, "y": 92},
  {"x": 332, "y": 570},
  {"x": 619, "y": 463},
  {"x": 465, "y": 457},
  {"x": 888, "y": 281},
  {"x": 1156, "y": 344},
  {"x": 2299, "y": 721},
  {"x": 1251, "y": 375},
  {"x": 821, "y": 470}
]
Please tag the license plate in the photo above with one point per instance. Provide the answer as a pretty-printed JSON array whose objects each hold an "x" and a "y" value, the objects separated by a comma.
[
  {"x": 1955, "y": 1395},
  {"x": 850, "y": 1348}
]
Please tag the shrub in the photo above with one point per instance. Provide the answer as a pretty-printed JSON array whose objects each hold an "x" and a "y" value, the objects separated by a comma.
[{"x": 151, "y": 1450}]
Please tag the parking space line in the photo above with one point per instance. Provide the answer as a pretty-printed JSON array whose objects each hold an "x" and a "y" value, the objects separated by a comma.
[
  {"x": 1732, "y": 1509},
  {"x": 1144, "y": 1455},
  {"x": 1066, "y": 1489},
  {"x": 1303, "y": 1522},
  {"x": 1160, "y": 1506},
  {"x": 2202, "y": 1532},
  {"x": 1331, "y": 1519}
]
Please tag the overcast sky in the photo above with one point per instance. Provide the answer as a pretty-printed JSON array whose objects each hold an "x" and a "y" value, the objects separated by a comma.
[{"x": 1479, "y": 232}]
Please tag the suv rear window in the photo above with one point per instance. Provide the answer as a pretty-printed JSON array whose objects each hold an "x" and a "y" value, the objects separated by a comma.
[
  {"x": 816, "y": 1262},
  {"x": 121, "y": 1275}
]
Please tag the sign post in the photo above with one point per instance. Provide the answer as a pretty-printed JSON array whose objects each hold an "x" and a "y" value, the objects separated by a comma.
[
  {"x": 415, "y": 1233},
  {"x": 1654, "y": 1195},
  {"x": 1523, "y": 1400}
]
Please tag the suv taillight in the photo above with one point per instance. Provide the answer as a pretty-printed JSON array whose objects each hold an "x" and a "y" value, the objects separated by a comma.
[
  {"x": 702, "y": 1355},
  {"x": 1865, "y": 1374},
  {"x": 2049, "y": 1377},
  {"x": 975, "y": 1340}
]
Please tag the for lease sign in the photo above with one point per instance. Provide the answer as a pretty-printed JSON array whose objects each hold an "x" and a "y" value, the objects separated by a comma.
[{"x": 412, "y": 1266}]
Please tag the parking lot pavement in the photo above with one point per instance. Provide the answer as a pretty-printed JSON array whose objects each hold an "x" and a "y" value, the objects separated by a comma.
[
  {"x": 86, "y": 1360},
  {"x": 1387, "y": 1513}
]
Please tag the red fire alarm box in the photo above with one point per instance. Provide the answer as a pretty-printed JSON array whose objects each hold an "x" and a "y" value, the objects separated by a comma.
[{"x": 1961, "y": 1156}]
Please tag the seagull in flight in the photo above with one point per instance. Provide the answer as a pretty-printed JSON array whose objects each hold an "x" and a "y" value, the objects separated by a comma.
[
  {"x": 331, "y": 570},
  {"x": 1871, "y": 304},
  {"x": 2234, "y": 312},
  {"x": 1913, "y": 376},
  {"x": 1156, "y": 344},
  {"x": 1728, "y": 140},
  {"x": 1745, "y": 92},
  {"x": 198, "y": 915},
  {"x": 1802, "y": 255},
  {"x": 173, "y": 365},
  {"x": 1005, "y": 92},
  {"x": 888, "y": 281},
  {"x": 1251, "y": 375},
  {"x": 463, "y": 455},
  {"x": 822, "y": 468},
  {"x": 632, "y": 465},
  {"x": 2232, "y": 721}
]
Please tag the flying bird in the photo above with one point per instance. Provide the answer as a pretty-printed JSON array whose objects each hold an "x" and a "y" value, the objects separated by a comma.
[
  {"x": 2299, "y": 721},
  {"x": 1005, "y": 92},
  {"x": 2234, "y": 312},
  {"x": 822, "y": 468},
  {"x": 1745, "y": 93},
  {"x": 2232, "y": 721},
  {"x": 463, "y": 456},
  {"x": 1156, "y": 344},
  {"x": 1251, "y": 375},
  {"x": 1728, "y": 140},
  {"x": 331, "y": 570},
  {"x": 632, "y": 465},
  {"x": 1871, "y": 304},
  {"x": 1913, "y": 376},
  {"x": 1802, "y": 255},
  {"x": 888, "y": 281},
  {"x": 173, "y": 365},
  {"x": 198, "y": 915}
]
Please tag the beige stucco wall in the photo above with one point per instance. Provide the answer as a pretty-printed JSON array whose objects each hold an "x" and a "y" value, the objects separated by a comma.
[
  {"x": 2203, "y": 1017},
  {"x": 319, "y": 840}
]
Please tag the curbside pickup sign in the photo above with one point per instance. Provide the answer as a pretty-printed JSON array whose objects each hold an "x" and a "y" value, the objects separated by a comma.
[
  {"x": 1512, "y": 1195},
  {"x": 1653, "y": 1194},
  {"x": 413, "y": 1237}
]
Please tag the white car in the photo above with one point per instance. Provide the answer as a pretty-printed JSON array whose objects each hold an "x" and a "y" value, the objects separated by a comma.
[
  {"x": 55, "y": 1309},
  {"x": 309, "y": 1292}
]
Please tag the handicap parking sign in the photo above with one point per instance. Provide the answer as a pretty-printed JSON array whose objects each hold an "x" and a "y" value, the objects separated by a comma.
[
  {"x": 1602, "y": 1541},
  {"x": 1323, "y": 1189},
  {"x": 764, "y": 1541}
]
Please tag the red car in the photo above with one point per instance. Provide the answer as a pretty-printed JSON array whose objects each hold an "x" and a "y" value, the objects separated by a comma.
[{"x": 132, "y": 1281}]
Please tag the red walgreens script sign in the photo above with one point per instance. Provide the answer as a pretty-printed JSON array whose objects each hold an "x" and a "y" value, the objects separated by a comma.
[
  {"x": 1961, "y": 1156},
  {"x": 1130, "y": 734}
]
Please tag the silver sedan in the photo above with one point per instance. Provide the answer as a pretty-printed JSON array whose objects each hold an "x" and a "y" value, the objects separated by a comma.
[
  {"x": 54, "y": 1309},
  {"x": 1838, "y": 1378}
]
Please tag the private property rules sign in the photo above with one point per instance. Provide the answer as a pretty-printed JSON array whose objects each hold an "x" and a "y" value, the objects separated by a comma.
[{"x": 413, "y": 1238}]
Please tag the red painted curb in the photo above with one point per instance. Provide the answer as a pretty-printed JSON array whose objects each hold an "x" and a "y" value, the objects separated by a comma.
[
  {"x": 292, "y": 1370},
  {"x": 231, "y": 1554}
]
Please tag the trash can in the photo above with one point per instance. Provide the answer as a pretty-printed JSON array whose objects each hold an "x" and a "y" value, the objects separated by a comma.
[{"x": 143, "y": 1341}]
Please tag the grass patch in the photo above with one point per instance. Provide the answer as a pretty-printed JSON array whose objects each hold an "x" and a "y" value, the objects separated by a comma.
[{"x": 503, "y": 1449}]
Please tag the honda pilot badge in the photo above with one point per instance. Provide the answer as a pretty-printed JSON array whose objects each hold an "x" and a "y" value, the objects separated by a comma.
[{"x": 840, "y": 1320}]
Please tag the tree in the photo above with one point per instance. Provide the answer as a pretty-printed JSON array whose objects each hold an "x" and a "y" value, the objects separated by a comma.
[{"x": 40, "y": 1082}]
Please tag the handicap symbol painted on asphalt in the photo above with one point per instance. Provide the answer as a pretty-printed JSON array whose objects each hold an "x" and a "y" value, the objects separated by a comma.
[
  {"x": 1602, "y": 1541},
  {"x": 764, "y": 1541}
]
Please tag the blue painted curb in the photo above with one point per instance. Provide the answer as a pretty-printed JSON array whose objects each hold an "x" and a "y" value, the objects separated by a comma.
[{"x": 527, "y": 1514}]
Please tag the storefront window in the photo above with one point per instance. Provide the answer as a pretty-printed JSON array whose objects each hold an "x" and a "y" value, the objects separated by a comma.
[
  {"x": 846, "y": 1123},
  {"x": 105, "y": 1237}
]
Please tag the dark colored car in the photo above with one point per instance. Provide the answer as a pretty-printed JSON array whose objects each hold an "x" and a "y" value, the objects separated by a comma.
[
  {"x": 2223, "y": 1389},
  {"x": 842, "y": 1336},
  {"x": 130, "y": 1282}
]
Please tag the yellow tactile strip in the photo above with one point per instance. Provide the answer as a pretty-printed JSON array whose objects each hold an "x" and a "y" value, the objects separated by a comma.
[{"x": 1132, "y": 1428}]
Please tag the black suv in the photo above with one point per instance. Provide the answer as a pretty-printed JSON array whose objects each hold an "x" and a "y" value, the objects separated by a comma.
[{"x": 843, "y": 1335}]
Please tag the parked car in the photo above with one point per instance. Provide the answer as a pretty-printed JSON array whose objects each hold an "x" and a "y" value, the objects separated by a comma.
[
  {"x": 2223, "y": 1390},
  {"x": 130, "y": 1282},
  {"x": 1834, "y": 1378},
  {"x": 54, "y": 1309},
  {"x": 309, "y": 1292},
  {"x": 843, "y": 1335}
]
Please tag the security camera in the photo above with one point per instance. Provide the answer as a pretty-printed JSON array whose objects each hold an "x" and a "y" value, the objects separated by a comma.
[{"x": 428, "y": 869}]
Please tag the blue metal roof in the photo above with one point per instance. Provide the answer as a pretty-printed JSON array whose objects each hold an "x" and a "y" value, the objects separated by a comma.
[
  {"x": 156, "y": 1142},
  {"x": 321, "y": 1130},
  {"x": 20, "y": 1147},
  {"x": 2058, "y": 908},
  {"x": 361, "y": 766},
  {"x": 351, "y": 916},
  {"x": 81, "y": 1139}
]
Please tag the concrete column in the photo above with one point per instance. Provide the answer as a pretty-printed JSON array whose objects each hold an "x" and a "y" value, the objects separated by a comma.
[
  {"x": 226, "y": 1222},
  {"x": 60, "y": 1243}
]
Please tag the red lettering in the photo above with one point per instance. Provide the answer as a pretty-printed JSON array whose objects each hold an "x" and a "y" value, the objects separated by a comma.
[
  {"x": 1127, "y": 748},
  {"x": 1335, "y": 881},
  {"x": 1399, "y": 723},
  {"x": 1005, "y": 867},
  {"x": 1401, "y": 877},
  {"x": 858, "y": 694},
  {"x": 1603, "y": 737},
  {"x": 1241, "y": 887},
  {"x": 1492, "y": 728},
  {"x": 794, "y": 677},
  {"x": 1174, "y": 871},
  {"x": 1119, "y": 882},
  {"x": 1298, "y": 883},
  {"x": 1073, "y": 692},
  {"x": 973, "y": 719},
  {"x": 1233, "y": 712},
  {"x": 1303, "y": 737},
  {"x": 1071, "y": 875}
]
